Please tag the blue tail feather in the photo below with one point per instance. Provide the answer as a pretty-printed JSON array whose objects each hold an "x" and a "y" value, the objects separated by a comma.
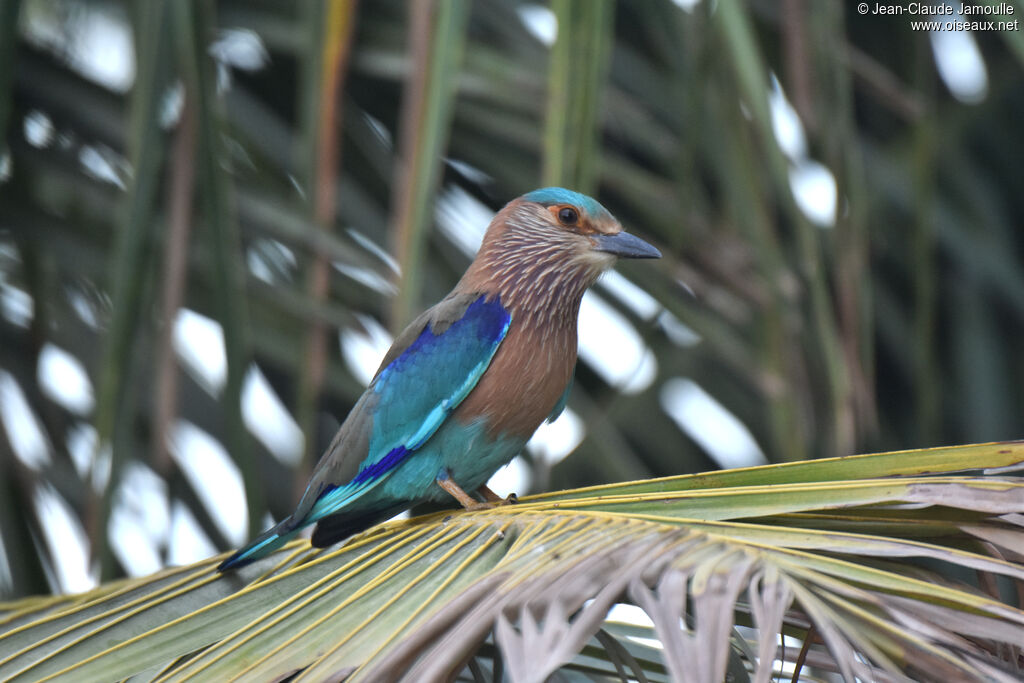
[
  {"x": 334, "y": 528},
  {"x": 261, "y": 546}
]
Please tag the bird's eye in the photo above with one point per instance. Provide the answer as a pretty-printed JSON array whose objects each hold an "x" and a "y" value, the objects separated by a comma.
[{"x": 568, "y": 215}]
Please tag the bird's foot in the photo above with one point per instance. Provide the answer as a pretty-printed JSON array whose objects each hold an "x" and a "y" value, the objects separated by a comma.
[
  {"x": 492, "y": 497},
  {"x": 444, "y": 480}
]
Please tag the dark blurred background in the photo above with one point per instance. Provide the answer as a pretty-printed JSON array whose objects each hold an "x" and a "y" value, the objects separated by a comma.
[{"x": 214, "y": 214}]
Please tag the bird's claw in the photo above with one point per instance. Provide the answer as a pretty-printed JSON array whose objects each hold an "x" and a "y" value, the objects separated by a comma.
[
  {"x": 490, "y": 503},
  {"x": 493, "y": 498},
  {"x": 511, "y": 499}
]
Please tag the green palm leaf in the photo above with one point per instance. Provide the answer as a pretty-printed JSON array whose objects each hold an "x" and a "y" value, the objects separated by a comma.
[{"x": 886, "y": 567}]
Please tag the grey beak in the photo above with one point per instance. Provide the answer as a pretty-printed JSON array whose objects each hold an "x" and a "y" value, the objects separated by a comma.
[{"x": 624, "y": 245}]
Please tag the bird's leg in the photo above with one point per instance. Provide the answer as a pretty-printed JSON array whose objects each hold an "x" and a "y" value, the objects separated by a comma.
[
  {"x": 492, "y": 497},
  {"x": 489, "y": 495},
  {"x": 444, "y": 480}
]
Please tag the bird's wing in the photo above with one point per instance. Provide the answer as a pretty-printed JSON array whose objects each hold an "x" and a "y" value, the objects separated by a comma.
[{"x": 429, "y": 370}]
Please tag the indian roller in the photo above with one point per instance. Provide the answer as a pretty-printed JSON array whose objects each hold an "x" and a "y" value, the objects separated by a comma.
[{"x": 467, "y": 383}]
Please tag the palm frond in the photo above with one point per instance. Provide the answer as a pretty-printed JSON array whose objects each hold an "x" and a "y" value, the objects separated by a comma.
[{"x": 725, "y": 565}]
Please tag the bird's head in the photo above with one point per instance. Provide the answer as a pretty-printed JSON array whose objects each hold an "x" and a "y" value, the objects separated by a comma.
[{"x": 553, "y": 242}]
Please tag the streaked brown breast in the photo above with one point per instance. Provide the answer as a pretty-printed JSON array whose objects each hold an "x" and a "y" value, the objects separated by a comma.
[{"x": 526, "y": 377}]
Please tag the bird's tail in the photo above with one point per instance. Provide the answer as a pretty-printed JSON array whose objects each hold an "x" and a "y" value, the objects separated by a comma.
[{"x": 261, "y": 546}]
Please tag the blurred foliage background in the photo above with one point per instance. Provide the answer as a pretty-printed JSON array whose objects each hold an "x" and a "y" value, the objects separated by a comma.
[{"x": 839, "y": 214}]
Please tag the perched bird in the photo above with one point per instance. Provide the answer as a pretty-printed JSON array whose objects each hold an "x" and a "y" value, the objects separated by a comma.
[{"x": 466, "y": 384}]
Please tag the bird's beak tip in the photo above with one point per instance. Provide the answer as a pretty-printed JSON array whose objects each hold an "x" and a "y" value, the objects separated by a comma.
[{"x": 625, "y": 245}]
